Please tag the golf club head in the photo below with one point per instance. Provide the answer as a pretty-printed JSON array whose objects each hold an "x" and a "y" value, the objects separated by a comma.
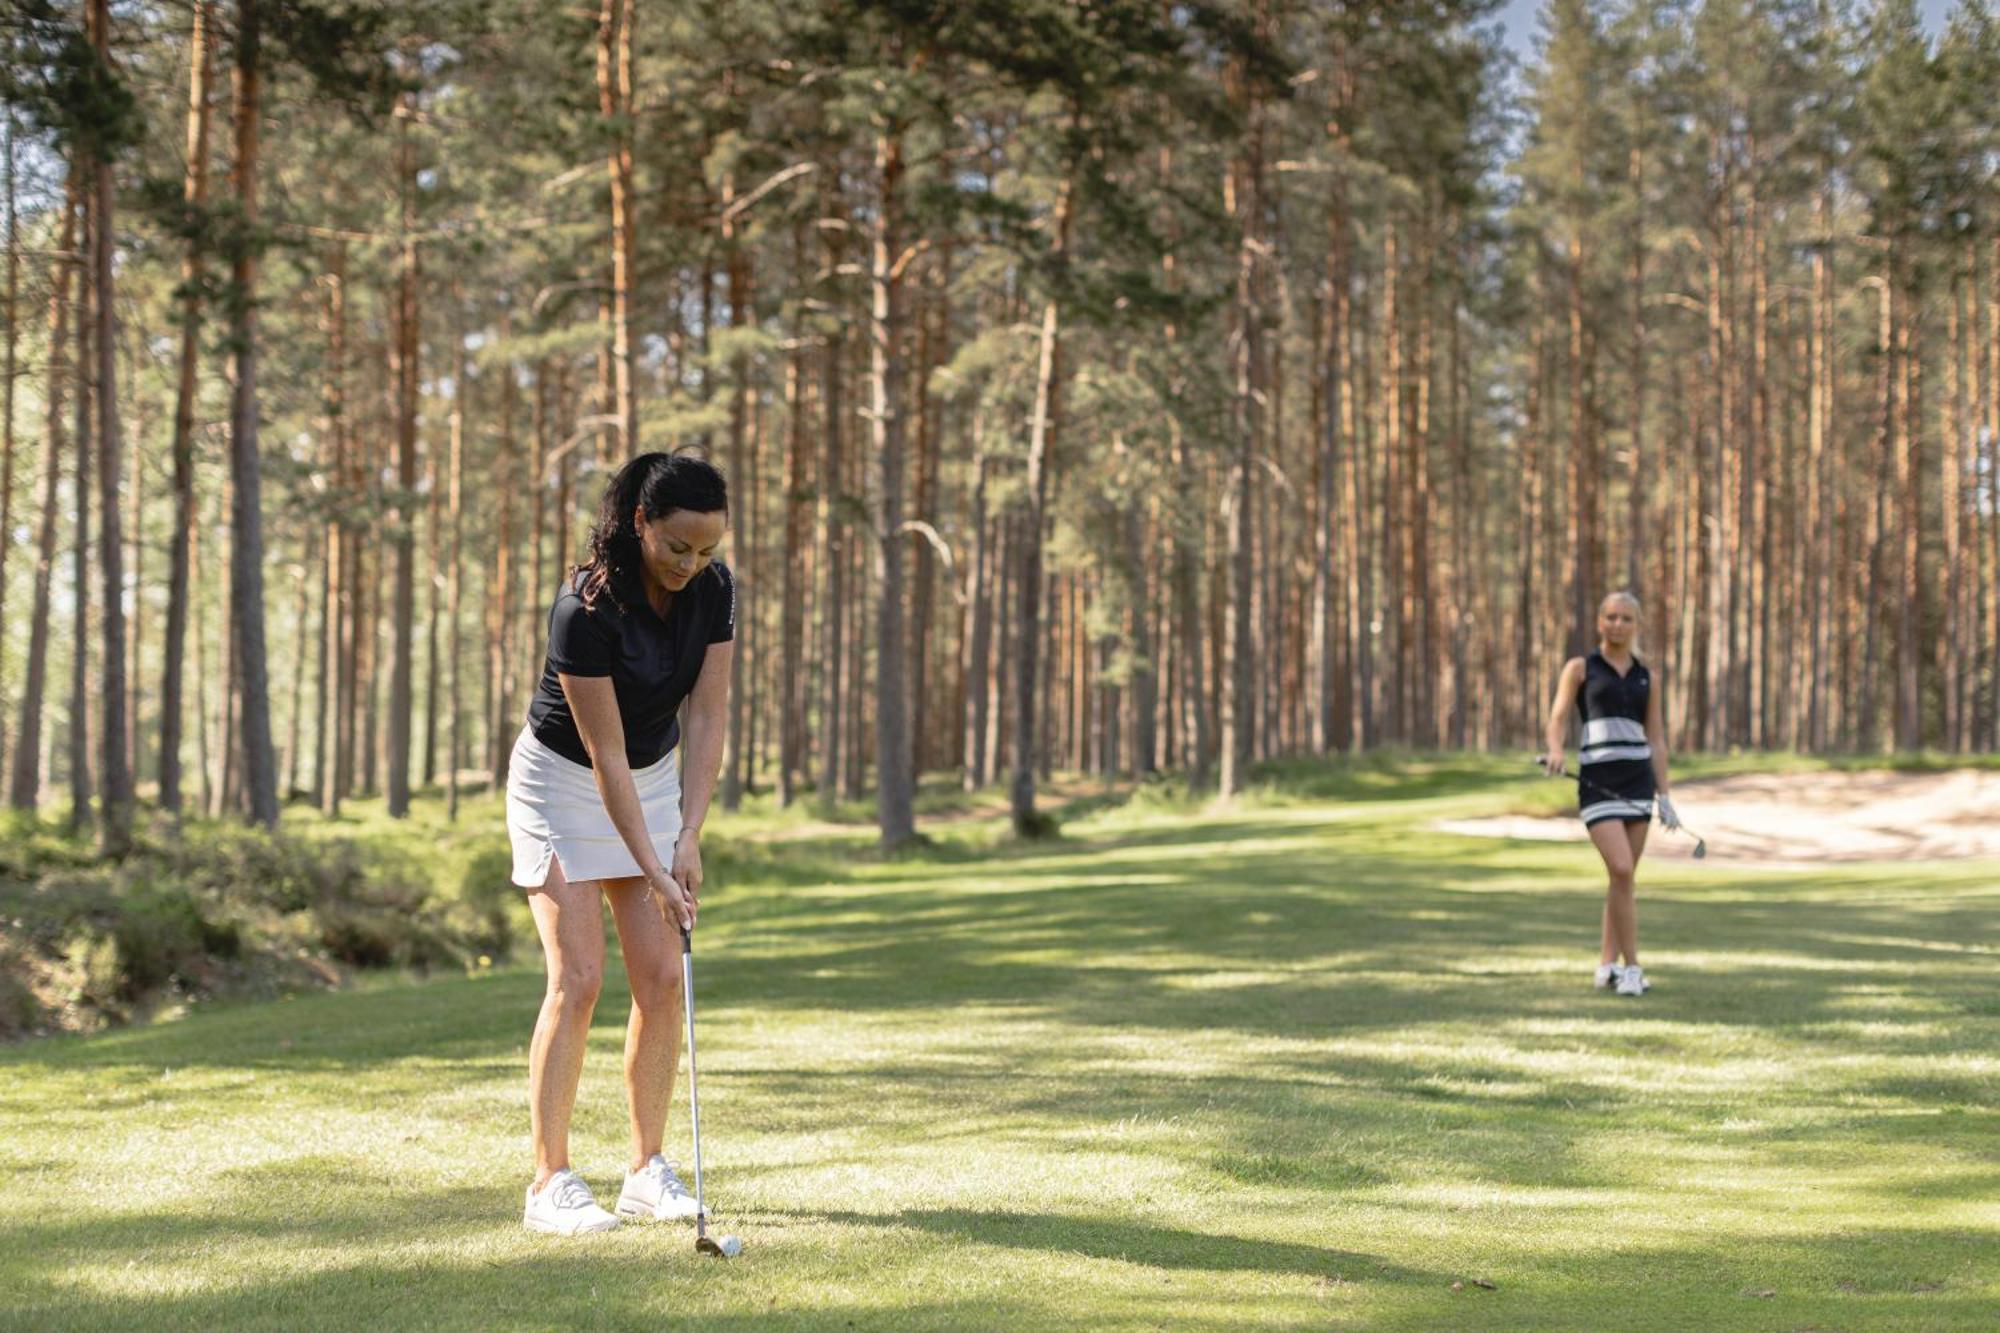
[
  {"x": 725, "y": 1247},
  {"x": 1700, "y": 848}
]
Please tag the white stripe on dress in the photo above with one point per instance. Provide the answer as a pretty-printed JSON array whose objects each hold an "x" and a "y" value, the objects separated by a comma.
[
  {"x": 1608, "y": 730},
  {"x": 1604, "y": 753},
  {"x": 1616, "y": 809}
]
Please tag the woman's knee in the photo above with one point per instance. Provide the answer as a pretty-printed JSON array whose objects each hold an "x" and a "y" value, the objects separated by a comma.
[
  {"x": 577, "y": 982},
  {"x": 657, "y": 988}
]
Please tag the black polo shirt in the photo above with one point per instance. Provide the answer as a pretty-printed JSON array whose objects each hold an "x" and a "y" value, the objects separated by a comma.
[{"x": 653, "y": 661}]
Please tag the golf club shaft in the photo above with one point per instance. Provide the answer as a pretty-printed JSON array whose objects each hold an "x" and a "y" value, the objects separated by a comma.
[{"x": 694, "y": 1099}]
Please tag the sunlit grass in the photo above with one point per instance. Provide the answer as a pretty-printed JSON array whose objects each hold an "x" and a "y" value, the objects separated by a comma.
[{"x": 1296, "y": 1061}]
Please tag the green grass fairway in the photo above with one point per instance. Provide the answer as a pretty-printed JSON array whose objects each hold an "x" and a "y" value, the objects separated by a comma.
[{"x": 1300, "y": 1063}]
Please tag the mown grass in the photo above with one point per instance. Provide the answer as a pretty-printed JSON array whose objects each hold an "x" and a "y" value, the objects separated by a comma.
[{"x": 1299, "y": 1062}]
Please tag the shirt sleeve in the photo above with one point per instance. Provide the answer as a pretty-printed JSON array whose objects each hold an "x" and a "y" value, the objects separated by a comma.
[
  {"x": 722, "y": 609},
  {"x": 580, "y": 643}
]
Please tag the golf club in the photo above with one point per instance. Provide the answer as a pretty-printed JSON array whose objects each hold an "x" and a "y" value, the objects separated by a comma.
[
  {"x": 724, "y": 1247},
  {"x": 1700, "y": 843}
]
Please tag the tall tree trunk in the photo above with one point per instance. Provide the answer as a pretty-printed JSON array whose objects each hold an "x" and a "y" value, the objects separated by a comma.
[
  {"x": 434, "y": 581},
  {"x": 1028, "y": 691},
  {"x": 247, "y": 548},
  {"x": 25, "y": 781},
  {"x": 341, "y": 633},
  {"x": 792, "y": 671},
  {"x": 501, "y": 717},
  {"x": 80, "y": 784},
  {"x": 833, "y": 523},
  {"x": 737, "y": 260},
  {"x": 1244, "y": 201},
  {"x": 978, "y": 638},
  {"x": 1818, "y": 421},
  {"x": 301, "y": 609},
  {"x": 403, "y": 531},
  {"x": 933, "y": 327},
  {"x": 894, "y": 761},
  {"x": 1908, "y": 507},
  {"x": 115, "y": 826},
  {"x": 333, "y": 461},
  {"x": 455, "y": 569},
  {"x": 7, "y": 388},
  {"x": 614, "y": 84},
  {"x": 1145, "y": 674}
]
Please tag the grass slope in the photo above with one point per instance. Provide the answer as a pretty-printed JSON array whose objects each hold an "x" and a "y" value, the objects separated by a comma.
[{"x": 1301, "y": 1062}]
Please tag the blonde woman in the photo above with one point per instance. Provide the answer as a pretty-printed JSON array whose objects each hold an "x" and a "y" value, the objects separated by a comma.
[{"x": 1621, "y": 774}]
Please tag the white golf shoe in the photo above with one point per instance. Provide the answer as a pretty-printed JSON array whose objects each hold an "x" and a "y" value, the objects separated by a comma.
[
  {"x": 1632, "y": 980},
  {"x": 564, "y": 1207},
  {"x": 1607, "y": 976},
  {"x": 655, "y": 1191}
]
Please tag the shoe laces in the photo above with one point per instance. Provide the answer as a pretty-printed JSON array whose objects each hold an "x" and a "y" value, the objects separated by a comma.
[
  {"x": 569, "y": 1192},
  {"x": 667, "y": 1173}
]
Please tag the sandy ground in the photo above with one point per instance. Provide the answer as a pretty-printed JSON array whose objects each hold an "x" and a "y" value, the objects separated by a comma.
[{"x": 1808, "y": 818}]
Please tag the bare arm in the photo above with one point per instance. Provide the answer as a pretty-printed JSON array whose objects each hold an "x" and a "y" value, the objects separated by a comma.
[
  {"x": 705, "y": 724},
  {"x": 1556, "y": 740},
  {"x": 594, "y": 705},
  {"x": 1656, "y": 736}
]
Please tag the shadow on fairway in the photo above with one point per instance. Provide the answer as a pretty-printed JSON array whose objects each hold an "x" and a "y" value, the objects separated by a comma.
[{"x": 1133, "y": 1242}]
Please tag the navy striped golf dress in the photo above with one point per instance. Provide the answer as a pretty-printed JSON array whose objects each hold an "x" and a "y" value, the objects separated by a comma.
[{"x": 1615, "y": 779}]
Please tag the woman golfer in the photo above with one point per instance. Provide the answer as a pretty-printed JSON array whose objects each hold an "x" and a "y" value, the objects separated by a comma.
[
  {"x": 598, "y": 809},
  {"x": 1621, "y": 776}
]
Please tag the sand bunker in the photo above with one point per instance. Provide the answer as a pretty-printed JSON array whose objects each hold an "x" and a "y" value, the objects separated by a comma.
[{"x": 1808, "y": 818}]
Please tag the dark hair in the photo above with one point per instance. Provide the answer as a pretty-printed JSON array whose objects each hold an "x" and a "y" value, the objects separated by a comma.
[{"x": 658, "y": 484}]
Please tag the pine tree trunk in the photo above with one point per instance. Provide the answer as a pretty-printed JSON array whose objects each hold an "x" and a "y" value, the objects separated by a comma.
[
  {"x": 247, "y": 547},
  {"x": 978, "y": 638},
  {"x": 894, "y": 759},
  {"x": 614, "y": 83},
  {"x": 1818, "y": 513},
  {"x": 1908, "y": 509},
  {"x": 792, "y": 667},
  {"x": 1244, "y": 202},
  {"x": 7, "y": 388},
  {"x": 455, "y": 566},
  {"x": 333, "y": 461},
  {"x": 833, "y": 523},
  {"x": 500, "y": 718},
  {"x": 1042, "y": 432},
  {"x": 344, "y": 634},
  {"x": 115, "y": 827},
  {"x": 301, "y": 609},
  {"x": 403, "y": 531},
  {"x": 434, "y": 480},
  {"x": 933, "y": 333},
  {"x": 80, "y": 784},
  {"x": 736, "y": 774},
  {"x": 25, "y": 781}
]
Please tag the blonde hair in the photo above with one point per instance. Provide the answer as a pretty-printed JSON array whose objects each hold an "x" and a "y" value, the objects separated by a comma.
[{"x": 1622, "y": 595}]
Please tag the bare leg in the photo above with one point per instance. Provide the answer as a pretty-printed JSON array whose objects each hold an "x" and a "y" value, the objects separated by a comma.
[
  {"x": 652, "y": 952},
  {"x": 570, "y": 921},
  {"x": 1635, "y": 834},
  {"x": 1620, "y": 908}
]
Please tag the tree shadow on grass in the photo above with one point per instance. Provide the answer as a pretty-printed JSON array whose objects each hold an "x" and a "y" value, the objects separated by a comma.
[{"x": 1133, "y": 1242}]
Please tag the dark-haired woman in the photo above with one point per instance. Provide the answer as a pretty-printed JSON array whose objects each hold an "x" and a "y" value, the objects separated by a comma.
[{"x": 600, "y": 807}]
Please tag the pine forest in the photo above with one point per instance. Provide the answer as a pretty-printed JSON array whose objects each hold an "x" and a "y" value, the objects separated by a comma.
[{"x": 1118, "y": 388}]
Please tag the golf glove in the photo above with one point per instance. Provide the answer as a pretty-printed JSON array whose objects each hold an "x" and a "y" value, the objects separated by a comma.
[{"x": 1669, "y": 817}]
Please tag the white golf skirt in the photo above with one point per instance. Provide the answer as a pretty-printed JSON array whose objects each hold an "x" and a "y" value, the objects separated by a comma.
[{"x": 554, "y": 811}]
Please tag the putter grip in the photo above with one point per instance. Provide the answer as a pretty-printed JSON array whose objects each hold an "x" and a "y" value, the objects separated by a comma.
[{"x": 687, "y": 941}]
